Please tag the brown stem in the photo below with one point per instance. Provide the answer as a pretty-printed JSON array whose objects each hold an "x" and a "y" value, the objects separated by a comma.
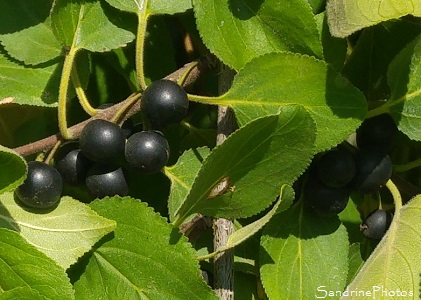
[
  {"x": 46, "y": 144},
  {"x": 223, "y": 228}
]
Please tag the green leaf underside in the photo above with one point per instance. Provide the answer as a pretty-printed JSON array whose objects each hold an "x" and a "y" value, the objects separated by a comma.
[
  {"x": 257, "y": 160},
  {"x": 238, "y": 31},
  {"x": 301, "y": 251},
  {"x": 23, "y": 266},
  {"x": 270, "y": 82},
  {"x": 40, "y": 84},
  {"x": 404, "y": 79},
  {"x": 145, "y": 258},
  {"x": 395, "y": 263},
  {"x": 85, "y": 26},
  {"x": 12, "y": 169},
  {"x": 154, "y": 7},
  {"x": 182, "y": 176},
  {"x": 33, "y": 45},
  {"x": 284, "y": 202},
  {"x": 347, "y": 16},
  {"x": 64, "y": 234}
]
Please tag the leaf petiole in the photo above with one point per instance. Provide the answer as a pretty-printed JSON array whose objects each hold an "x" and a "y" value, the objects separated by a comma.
[
  {"x": 408, "y": 166},
  {"x": 397, "y": 198},
  {"x": 83, "y": 100},
  {"x": 140, "y": 45}
]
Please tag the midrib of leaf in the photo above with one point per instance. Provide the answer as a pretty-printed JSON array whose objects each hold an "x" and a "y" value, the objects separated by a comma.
[
  {"x": 176, "y": 179},
  {"x": 403, "y": 98}
]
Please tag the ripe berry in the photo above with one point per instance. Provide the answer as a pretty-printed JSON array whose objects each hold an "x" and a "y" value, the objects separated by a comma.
[
  {"x": 376, "y": 224},
  {"x": 164, "y": 102},
  {"x": 147, "y": 151},
  {"x": 374, "y": 169},
  {"x": 72, "y": 164},
  {"x": 102, "y": 141},
  {"x": 336, "y": 168},
  {"x": 42, "y": 187},
  {"x": 106, "y": 180},
  {"x": 378, "y": 131},
  {"x": 326, "y": 200}
]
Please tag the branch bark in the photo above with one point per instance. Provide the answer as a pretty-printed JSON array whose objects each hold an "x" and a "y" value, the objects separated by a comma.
[{"x": 223, "y": 228}]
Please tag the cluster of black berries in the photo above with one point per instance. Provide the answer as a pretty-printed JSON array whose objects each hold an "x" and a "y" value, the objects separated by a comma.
[
  {"x": 97, "y": 158},
  {"x": 338, "y": 172}
]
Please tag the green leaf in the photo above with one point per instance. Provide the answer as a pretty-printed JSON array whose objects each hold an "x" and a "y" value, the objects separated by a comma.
[
  {"x": 12, "y": 169},
  {"x": 64, "y": 234},
  {"x": 395, "y": 263},
  {"x": 351, "y": 219},
  {"x": 146, "y": 258},
  {"x": 273, "y": 81},
  {"x": 238, "y": 31},
  {"x": 22, "y": 293},
  {"x": 22, "y": 265},
  {"x": 84, "y": 25},
  {"x": 182, "y": 176},
  {"x": 40, "y": 84},
  {"x": 355, "y": 261},
  {"x": 33, "y": 45},
  {"x": 347, "y": 16},
  {"x": 253, "y": 163},
  {"x": 284, "y": 202},
  {"x": 153, "y": 6},
  {"x": 404, "y": 78},
  {"x": 301, "y": 252}
]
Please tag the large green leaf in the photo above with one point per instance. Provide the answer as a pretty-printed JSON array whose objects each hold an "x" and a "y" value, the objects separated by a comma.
[
  {"x": 348, "y": 16},
  {"x": 404, "y": 78},
  {"x": 273, "y": 81},
  {"x": 152, "y": 6},
  {"x": 23, "y": 266},
  {"x": 237, "y": 31},
  {"x": 84, "y": 25},
  {"x": 145, "y": 258},
  {"x": 302, "y": 253},
  {"x": 64, "y": 234},
  {"x": 182, "y": 176},
  {"x": 12, "y": 169},
  {"x": 33, "y": 86},
  {"x": 395, "y": 263},
  {"x": 252, "y": 165}
]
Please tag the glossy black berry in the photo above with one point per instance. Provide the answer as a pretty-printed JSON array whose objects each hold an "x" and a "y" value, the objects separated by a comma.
[
  {"x": 378, "y": 131},
  {"x": 72, "y": 165},
  {"x": 376, "y": 224},
  {"x": 336, "y": 168},
  {"x": 102, "y": 141},
  {"x": 164, "y": 102},
  {"x": 42, "y": 187},
  {"x": 147, "y": 151},
  {"x": 374, "y": 169},
  {"x": 325, "y": 200},
  {"x": 106, "y": 180}
]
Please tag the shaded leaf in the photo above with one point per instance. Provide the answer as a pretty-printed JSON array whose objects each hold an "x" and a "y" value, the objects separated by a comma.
[
  {"x": 395, "y": 263},
  {"x": 347, "y": 16},
  {"x": 273, "y": 81},
  {"x": 355, "y": 261},
  {"x": 84, "y": 25},
  {"x": 64, "y": 234},
  {"x": 23, "y": 266},
  {"x": 253, "y": 163},
  {"x": 40, "y": 84},
  {"x": 238, "y": 31},
  {"x": 12, "y": 169},
  {"x": 153, "y": 6},
  {"x": 301, "y": 252},
  {"x": 152, "y": 247},
  {"x": 182, "y": 176}
]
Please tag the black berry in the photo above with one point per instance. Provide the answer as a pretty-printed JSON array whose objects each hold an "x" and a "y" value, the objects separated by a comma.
[
  {"x": 72, "y": 165},
  {"x": 106, "y": 180},
  {"x": 374, "y": 169},
  {"x": 42, "y": 187},
  {"x": 147, "y": 151},
  {"x": 376, "y": 224},
  {"x": 378, "y": 131},
  {"x": 336, "y": 168},
  {"x": 325, "y": 200},
  {"x": 102, "y": 141},
  {"x": 164, "y": 102}
]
